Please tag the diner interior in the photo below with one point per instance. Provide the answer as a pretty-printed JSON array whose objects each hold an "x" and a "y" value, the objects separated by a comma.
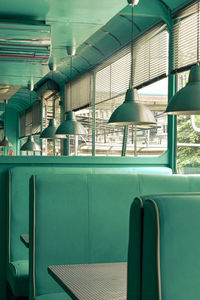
[{"x": 99, "y": 150}]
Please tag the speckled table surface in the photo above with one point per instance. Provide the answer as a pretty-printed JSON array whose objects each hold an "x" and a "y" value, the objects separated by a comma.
[{"x": 107, "y": 281}]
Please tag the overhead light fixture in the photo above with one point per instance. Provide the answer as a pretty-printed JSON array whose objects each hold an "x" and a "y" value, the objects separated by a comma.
[
  {"x": 30, "y": 145},
  {"x": 132, "y": 111},
  {"x": 134, "y": 2},
  {"x": 71, "y": 126},
  {"x": 50, "y": 131},
  {"x": 5, "y": 142},
  {"x": 187, "y": 100}
]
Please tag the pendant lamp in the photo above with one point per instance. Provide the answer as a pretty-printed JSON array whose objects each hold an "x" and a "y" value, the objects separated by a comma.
[
  {"x": 131, "y": 111},
  {"x": 5, "y": 142},
  {"x": 71, "y": 126},
  {"x": 50, "y": 131},
  {"x": 187, "y": 100},
  {"x": 30, "y": 145}
]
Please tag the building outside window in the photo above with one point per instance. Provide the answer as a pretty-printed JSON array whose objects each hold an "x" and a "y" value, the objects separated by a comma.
[{"x": 188, "y": 138}]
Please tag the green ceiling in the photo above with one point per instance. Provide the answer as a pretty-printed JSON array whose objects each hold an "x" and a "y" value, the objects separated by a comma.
[
  {"x": 97, "y": 28},
  {"x": 71, "y": 22}
]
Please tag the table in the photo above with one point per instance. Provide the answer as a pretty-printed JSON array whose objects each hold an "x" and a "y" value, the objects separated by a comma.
[
  {"x": 105, "y": 281},
  {"x": 25, "y": 239}
]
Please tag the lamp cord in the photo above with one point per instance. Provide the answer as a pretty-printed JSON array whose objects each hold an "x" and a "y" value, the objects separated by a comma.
[
  {"x": 132, "y": 62},
  {"x": 5, "y": 118},
  {"x": 70, "y": 82},
  {"x": 198, "y": 33},
  {"x": 54, "y": 113}
]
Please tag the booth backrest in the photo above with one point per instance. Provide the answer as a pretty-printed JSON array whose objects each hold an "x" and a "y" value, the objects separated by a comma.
[
  {"x": 19, "y": 196},
  {"x": 78, "y": 219},
  {"x": 85, "y": 218},
  {"x": 171, "y": 247}
]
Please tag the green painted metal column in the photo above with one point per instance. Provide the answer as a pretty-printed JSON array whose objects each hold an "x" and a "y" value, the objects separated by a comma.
[
  {"x": 41, "y": 124},
  {"x": 93, "y": 115},
  {"x": 172, "y": 123},
  {"x": 124, "y": 143}
]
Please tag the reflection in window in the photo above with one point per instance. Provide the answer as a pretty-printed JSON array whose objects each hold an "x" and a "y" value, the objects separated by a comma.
[
  {"x": 188, "y": 138},
  {"x": 82, "y": 145},
  {"x": 109, "y": 137},
  {"x": 149, "y": 141},
  {"x": 153, "y": 141},
  {"x": 51, "y": 108}
]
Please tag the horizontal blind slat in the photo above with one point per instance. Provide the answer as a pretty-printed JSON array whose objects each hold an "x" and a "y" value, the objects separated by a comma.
[
  {"x": 82, "y": 91},
  {"x": 150, "y": 63},
  {"x": 185, "y": 38}
]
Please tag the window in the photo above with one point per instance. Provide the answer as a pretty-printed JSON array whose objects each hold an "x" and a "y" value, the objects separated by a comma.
[
  {"x": 184, "y": 56},
  {"x": 185, "y": 32},
  {"x": 82, "y": 145},
  {"x": 112, "y": 81},
  {"x": 80, "y": 101},
  {"x": 188, "y": 138},
  {"x": 108, "y": 137},
  {"x": 30, "y": 120},
  {"x": 152, "y": 141},
  {"x": 51, "y": 109}
]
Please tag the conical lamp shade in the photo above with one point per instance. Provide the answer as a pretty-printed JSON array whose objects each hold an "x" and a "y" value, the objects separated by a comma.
[
  {"x": 5, "y": 142},
  {"x": 132, "y": 112},
  {"x": 50, "y": 131},
  {"x": 187, "y": 100},
  {"x": 71, "y": 126},
  {"x": 30, "y": 145}
]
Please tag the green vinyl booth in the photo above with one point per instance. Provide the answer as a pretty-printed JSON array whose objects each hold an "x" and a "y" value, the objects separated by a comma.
[
  {"x": 171, "y": 247},
  {"x": 84, "y": 218},
  {"x": 18, "y": 199}
]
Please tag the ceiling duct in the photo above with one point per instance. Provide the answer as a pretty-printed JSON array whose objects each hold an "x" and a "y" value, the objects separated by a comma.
[
  {"x": 47, "y": 88},
  {"x": 29, "y": 42}
]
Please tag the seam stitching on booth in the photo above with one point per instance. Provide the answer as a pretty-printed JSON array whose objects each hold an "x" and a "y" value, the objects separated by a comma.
[
  {"x": 158, "y": 247},
  {"x": 141, "y": 244},
  {"x": 9, "y": 214},
  {"x": 89, "y": 254},
  {"x": 140, "y": 200},
  {"x": 33, "y": 238}
]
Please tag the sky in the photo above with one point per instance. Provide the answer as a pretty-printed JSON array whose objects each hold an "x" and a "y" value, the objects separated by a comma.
[{"x": 157, "y": 88}]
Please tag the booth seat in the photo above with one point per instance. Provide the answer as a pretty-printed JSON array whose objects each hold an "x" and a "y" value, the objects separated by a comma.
[
  {"x": 170, "y": 247},
  {"x": 17, "y": 265},
  {"x": 84, "y": 218}
]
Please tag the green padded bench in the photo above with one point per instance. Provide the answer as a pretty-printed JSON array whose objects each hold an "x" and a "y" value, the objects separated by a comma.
[
  {"x": 171, "y": 247},
  {"x": 17, "y": 266},
  {"x": 85, "y": 219}
]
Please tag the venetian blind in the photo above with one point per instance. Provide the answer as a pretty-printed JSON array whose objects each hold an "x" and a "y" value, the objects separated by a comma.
[
  {"x": 22, "y": 124},
  {"x": 36, "y": 117},
  {"x": 28, "y": 122},
  {"x": 185, "y": 34},
  {"x": 81, "y": 93},
  {"x": 150, "y": 64}
]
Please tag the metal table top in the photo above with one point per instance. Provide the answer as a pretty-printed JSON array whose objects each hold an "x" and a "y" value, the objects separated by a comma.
[
  {"x": 25, "y": 239},
  {"x": 107, "y": 281}
]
